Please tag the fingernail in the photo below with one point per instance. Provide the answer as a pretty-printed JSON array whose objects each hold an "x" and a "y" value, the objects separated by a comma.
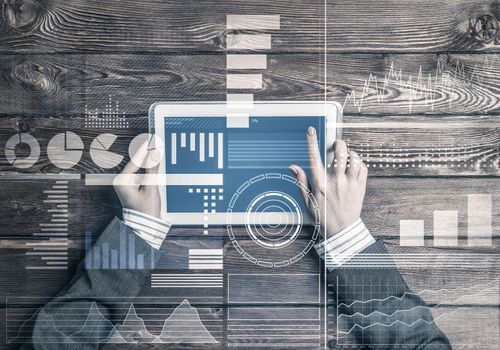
[
  {"x": 311, "y": 131},
  {"x": 293, "y": 170}
]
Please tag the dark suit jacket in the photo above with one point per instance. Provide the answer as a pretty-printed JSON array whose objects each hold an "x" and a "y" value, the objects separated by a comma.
[{"x": 55, "y": 326}]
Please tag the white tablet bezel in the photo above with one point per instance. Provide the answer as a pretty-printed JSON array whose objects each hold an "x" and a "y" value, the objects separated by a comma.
[{"x": 161, "y": 110}]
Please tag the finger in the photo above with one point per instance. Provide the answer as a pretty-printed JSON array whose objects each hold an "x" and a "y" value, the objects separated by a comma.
[
  {"x": 340, "y": 157},
  {"x": 353, "y": 165},
  {"x": 363, "y": 173},
  {"x": 151, "y": 181},
  {"x": 315, "y": 162},
  {"x": 138, "y": 157},
  {"x": 302, "y": 182}
]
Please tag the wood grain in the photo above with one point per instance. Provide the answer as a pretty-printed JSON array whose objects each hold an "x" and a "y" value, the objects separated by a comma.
[
  {"x": 170, "y": 26},
  {"x": 375, "y": 84},
  {"x": 387, "y": 201}
]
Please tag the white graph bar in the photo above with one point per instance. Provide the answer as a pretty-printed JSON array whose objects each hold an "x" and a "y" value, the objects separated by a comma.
[
  {"x": 211, "y": 145},
  {"x": 479, "y": 231},
  {"x": 237, "y": 120},
  {"x": 183, "y": 139},
  {"x": 244, "y": 81},
  {"x": 248, "y": 41},
  {"x": 173, "y": 149},
  {"x": 154, "y": 179},
  {"x": 411, "y": 233},
  {"x": 205, "y": 252},
  {"x": 246, "y": 61},
  {"x": 220, "y": 150},
  {"x": 202, "y": 147},
  {"x": 445, "y": 228},
  {"x": 192, "y": 141},
  {"x": 263, "y": 22},
  {"x": 239, "y": 101}
]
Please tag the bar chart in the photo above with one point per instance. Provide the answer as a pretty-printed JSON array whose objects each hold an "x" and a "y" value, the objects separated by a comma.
[
  {"x": 241, "y": 67},
  {"x": 446, "y": 225},
  {"x": 51, "y": 245},
  {"x": 121, "y": 256},
  {"x": 209, "y": 147}
]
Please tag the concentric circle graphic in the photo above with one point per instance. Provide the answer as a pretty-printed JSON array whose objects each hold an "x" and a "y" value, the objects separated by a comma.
[{"x": 273, "y": 220}]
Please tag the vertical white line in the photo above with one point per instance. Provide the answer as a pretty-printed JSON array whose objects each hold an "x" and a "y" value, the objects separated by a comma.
[
  {"x": 192, "y": 141},
  {"x": 211, "y": 144},
  {"x": 324, "y": 152},
  {"x": 202, "y": 147},
  {"x": 183, "y": 139},
  {"x": 173, "y": 149},
  {"x": 220, "y": 151}
]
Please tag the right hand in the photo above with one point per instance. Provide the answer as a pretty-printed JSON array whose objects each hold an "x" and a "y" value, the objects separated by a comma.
[{"x": 339, "y": 190}]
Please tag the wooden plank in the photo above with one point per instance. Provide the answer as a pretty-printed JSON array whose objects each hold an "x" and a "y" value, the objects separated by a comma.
[
  {"x": 486, "y": 267},
  {"x": 388, "y": 200},
  {"x": 398, "y": 84},
  {"x": 384, "y": 26},
  {"x": 425, "y": 146}
]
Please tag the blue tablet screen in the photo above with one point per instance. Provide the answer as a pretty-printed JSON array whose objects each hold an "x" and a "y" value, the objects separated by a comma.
[{"x": 219, "y": 161}]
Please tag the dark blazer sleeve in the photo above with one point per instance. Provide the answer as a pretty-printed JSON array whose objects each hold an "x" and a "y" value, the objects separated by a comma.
[
  {"x": 65, "y": 323},
  {"x": 377, "y": 309}
]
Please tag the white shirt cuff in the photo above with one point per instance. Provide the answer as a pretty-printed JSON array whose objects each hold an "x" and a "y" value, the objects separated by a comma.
[
  {"x": 343, "y": 246},
  {"x": 151, "y": 229}
]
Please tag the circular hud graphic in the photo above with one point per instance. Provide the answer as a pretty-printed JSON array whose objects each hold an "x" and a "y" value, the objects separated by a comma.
[{"x": 273, "y": 220}]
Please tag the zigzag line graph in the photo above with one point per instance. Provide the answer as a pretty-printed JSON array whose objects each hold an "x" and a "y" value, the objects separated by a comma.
[
  {"x": 424, "y": 87},
  {"x": 425, "y": 291},
  {"x": 406, "y": 319},
  {"x": 409, "y": 325}
]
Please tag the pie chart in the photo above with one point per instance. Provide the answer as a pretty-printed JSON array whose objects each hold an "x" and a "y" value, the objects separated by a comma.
[
  {"x": 100, "y": 154},
  {"x": 22, "y": 162},
  {"x": 150, "y": 142},
  {"x": 65, "y": 150}
]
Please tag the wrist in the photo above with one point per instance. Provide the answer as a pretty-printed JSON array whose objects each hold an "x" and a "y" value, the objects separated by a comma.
[{"x": 336, "y": 229}]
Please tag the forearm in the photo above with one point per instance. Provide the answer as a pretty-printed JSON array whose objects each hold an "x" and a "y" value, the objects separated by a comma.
[
  {"x": 64, "y": 322},
  {"x": 374, "y": 303}
]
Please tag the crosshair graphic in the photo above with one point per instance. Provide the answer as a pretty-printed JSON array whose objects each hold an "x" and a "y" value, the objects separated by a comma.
[{"x": 273, "y": 220}]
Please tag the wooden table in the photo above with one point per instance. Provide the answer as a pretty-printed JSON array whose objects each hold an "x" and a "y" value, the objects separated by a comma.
[{"x": 421, "y": 77}]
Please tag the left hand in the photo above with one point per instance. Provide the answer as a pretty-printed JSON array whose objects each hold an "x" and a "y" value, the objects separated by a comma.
[{"x": 144, "y": 198}]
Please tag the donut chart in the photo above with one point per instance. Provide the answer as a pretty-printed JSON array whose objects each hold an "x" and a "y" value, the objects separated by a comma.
[
  {"x": 100, "y": 154},
  {"x": 14, "y": 159},
  {"x": 65, "y": 150}
]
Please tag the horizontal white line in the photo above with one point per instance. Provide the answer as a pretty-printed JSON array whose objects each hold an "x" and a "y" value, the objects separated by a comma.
[
  {"x": 262, "y": 22},
  {"x": 24, "y": 176},
  {"x": 244, "y": 81},
  {"x": 206, "y": 251},
  {"x": 412, "y": 125},
  {"x": 204, "y": 266},
  {"x": 154, "y": 179}
]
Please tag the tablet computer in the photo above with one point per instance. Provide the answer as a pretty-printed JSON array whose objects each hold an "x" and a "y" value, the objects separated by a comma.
[{"x": 221, "y": 162}]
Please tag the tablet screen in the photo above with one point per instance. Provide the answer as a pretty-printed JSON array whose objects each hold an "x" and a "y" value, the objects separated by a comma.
[{"x": 248, "y": 163}]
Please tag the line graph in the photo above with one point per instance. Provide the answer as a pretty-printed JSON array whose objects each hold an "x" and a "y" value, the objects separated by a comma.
[
  {"x": 423, "y": 88},
  {"x": 379, "y": 319}
]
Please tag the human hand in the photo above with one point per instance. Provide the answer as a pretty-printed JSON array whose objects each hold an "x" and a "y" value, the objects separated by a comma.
[
  {"x": 135, "y": 191},
  {"x": 339, "y": 190}
]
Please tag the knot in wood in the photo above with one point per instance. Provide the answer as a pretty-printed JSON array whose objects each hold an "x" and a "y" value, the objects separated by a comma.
[
  {"x": 32, "y": 78},
  {"x": 484, "y": 28},
  {"x": 21, "y": 14}
]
